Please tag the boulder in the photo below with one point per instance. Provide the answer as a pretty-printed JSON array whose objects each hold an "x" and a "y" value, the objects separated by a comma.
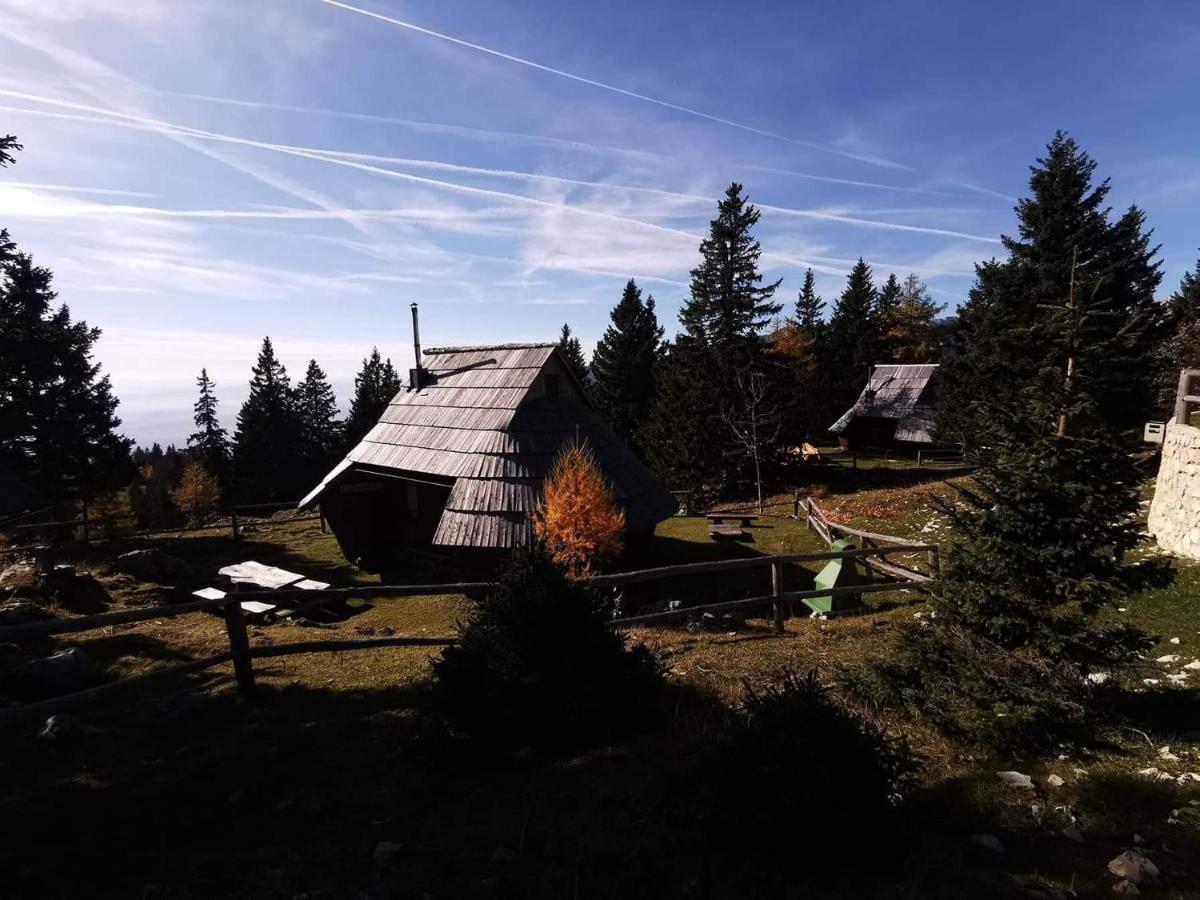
[
  {"x": 1016, "y": 780},
  {"x": 77, "y": 591},
  {"x": 152, "y": 564},
  {"x": 19, "y": 611},
  {"x": 18, "y": 576},
  {"x": 64, "y": 672},
  {"x": 1134, "y": 866}
]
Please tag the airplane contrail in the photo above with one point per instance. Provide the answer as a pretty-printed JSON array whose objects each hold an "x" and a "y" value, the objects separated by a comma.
[{"x": 645, "y": 98}]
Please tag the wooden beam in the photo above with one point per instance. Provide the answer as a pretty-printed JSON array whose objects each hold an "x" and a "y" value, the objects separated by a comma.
[{"x": 349, "y": 645}]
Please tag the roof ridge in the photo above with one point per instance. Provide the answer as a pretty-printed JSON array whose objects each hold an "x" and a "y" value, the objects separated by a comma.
[{"x": 432, "y": 351}]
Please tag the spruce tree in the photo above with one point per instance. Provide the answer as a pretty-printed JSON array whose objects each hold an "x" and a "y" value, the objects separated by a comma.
[
  {"x": 729, "y": 305},
  {"x": 1038, "y": 554},
  {"x": 321, "y": 437},
  {"x": 58, "y": 422},
  {"x": 573, "y": 351},
  {"x": 8, "y": 143},
  {"x": 209, "y": 443},
  {"x": 1184, "y": 305},
  {"x": 722, "y": 320},
  {"x": 624, "y": 363},
  {"x": 809, "y": 305},
  {"x": 1064, "y": 227},
  {"x": 374, "y": 387},
  {"x": 266, "y": 451},
  {"x": 854, "y": 336}
]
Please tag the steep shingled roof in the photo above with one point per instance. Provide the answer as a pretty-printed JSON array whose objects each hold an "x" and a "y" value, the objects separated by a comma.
[
  {"x": 905, "y": 393},
  {"x": 477, "y": 422}
]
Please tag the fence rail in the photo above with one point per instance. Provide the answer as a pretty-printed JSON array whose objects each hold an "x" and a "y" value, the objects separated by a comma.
[
  {"x": 1185, "y": 399},
  {"x": 242, "y": 654},
  {"x": 818, "y": 520}
]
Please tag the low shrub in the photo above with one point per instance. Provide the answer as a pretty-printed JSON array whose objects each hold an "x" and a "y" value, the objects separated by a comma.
[
  {"x": 536, "y": 667},
  {"x": 795, "y": 768}
]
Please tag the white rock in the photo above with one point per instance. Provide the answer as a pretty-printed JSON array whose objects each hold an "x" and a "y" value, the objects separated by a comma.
[
  {"x": 1150, "y": 682},
  {"x": 1174, "y": 640},
  {"x": 1135, "y": 866},
  {"x": 1193, "y": 665},
  {"x": 1169, "y": 658},
  {"x": 1016, "y": 780},
  {"x": 1164, "y": 752},
  {"x": 1178, "y": 678},
  {"x": 1055, "y": 781},
  {"x": 1098, "y": 677}
]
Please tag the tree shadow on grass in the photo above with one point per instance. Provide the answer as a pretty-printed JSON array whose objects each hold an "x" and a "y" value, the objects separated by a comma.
[{"x": 1170, "y": 711}]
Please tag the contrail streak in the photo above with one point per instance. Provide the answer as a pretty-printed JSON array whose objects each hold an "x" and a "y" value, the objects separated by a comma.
[{"x": 866, "y": 158}]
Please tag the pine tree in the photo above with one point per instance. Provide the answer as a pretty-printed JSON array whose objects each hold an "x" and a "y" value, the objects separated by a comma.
[
  {"x": 911, "y": 332},
  {"x": 8, "y": 143},
  {"x": 809, "y": 305},
  {"x": 573, "y": 351},
  {"x": 374, "y": 387},
  {"x": 854, "y": 336},
  {"x": 729, "y": 305},
  {"x": 1064, "y": 228},
  {"x": 209, "y": 443},
  {"x": 266, "y": 453},
  {"x": 1184, "y": 305},
  {"x": 1038, "y": 553},
  {"x": 722, "y": 321},
  {"x": 321, "y": 437},
  {"x": 58, "y": 423},
  {"x": 624, "y": 364}
]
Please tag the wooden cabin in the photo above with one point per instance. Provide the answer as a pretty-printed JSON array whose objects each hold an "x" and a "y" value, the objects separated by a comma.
[
  {"x": 455, "y": 465},
  {"x": 894, "y": 411}
]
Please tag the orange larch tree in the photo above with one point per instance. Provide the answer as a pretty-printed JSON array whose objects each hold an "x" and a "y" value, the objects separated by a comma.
[{"x": 578, "y": 520}]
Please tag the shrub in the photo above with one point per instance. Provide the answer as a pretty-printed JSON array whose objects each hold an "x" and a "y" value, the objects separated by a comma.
[
  {"x": 579, "y": 520},
  {"x": 793, "y": 768},
  {"x": 537, "y": 667}
]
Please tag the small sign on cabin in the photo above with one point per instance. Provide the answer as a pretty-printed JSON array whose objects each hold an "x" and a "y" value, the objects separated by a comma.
[{"x": 1154, "y": 432}]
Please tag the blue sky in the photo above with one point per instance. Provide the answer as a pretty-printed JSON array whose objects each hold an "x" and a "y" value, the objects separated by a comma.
[{"x": 199, "y": 173}]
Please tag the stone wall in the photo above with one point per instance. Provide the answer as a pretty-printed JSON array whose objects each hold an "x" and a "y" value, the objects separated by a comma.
[{"x": 1175, "y": 511}]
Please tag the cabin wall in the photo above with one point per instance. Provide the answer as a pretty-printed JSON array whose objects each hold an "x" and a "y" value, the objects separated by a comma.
[{"x": 376, "y": 518}]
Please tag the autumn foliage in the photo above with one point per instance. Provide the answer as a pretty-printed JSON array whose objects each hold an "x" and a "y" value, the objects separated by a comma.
[
  {"x": 198, "y": 491},
  {"x": 579, "y": 521}
]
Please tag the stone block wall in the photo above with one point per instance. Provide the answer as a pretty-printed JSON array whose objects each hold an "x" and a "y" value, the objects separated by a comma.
[{"x": 1175, "y": 510}]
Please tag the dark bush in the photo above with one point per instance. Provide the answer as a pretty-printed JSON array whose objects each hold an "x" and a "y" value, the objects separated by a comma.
[
  {"x": 794, "y": 769},
  {"x": 537, "y": 667}
]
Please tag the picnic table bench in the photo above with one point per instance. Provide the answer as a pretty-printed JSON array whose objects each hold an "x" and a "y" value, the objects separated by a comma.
[
  {"x": 720, "y": 518},
  {"x": 719, "y": 530},
  {"x": 259, "y": 577}
]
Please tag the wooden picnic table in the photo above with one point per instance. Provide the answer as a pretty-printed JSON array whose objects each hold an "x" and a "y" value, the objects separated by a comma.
[
  {"x": 257, "y": 575},
  {"x": 719, "y": 518}
]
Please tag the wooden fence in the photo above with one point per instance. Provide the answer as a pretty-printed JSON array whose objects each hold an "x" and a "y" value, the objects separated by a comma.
[
  {"x": 91, "y": 528},
  {"x": 818, "y": 520},
  {"x": 242, "y": 654}
]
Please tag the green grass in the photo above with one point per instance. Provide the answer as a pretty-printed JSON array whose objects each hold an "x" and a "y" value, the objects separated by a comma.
[{"x": 198, "y": 794}]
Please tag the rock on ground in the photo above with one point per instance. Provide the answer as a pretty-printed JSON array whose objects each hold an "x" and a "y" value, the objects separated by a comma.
[
  {"x": 152, "y": 564},
  {"x": 1017, "y": 780},
  {"x": 1134, "y": 866},
  {"x": 17, "y": 577},
  {"x": 65, "y": 672}
]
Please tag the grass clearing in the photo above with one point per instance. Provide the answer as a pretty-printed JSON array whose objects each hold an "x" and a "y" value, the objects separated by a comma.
[{"x": 206, "y": 795}]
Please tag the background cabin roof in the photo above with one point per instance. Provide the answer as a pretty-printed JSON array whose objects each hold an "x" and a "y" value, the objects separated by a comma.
[
  {"x": 475, "y": 422},
  {"x": 905, "y": 393}
]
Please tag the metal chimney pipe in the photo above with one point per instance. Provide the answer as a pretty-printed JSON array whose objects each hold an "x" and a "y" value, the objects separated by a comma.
[{"x": 416, "y": 375}]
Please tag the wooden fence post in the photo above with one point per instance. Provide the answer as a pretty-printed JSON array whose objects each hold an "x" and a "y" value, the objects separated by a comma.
[
  {"x": 796, "y": 505},
  {"x": 918, "y": 459},
  {"x": 935, "y": 563},
  {"x": 777, "y": 593},
  {"x": 239, "y": 644},
  {"x": 1181, "y": 407},
  {"x": 321, "y": 513},
  {"x": 233, "y": 523},
  {"x": 85, "y": 525}
]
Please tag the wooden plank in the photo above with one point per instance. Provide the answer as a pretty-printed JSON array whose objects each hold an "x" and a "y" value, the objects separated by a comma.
[
  {"x": 259, "y": 575},
  {"x": 348, "y": 645},
  {"x": 209, "y": 593},
  {"x": 777, "y": 593},
  {"x": 724, "y": 531}
]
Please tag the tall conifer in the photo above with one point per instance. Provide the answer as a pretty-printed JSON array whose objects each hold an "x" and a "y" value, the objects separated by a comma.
[
  {"x": 854, "y": 335},
  {"x": 374, "y": 387},
  {"x": 209, "y": 443},
  {"x": 266, "y": 446},
  {"x": 809, "y": 305},
  {"x": 624, "y": 363},
  {"x": 572, "y": 349},
  {"x": 321, "y": 437}
]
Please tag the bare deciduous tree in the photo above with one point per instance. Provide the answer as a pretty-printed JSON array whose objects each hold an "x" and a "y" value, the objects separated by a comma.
[{"x": 754, "y": 421}]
